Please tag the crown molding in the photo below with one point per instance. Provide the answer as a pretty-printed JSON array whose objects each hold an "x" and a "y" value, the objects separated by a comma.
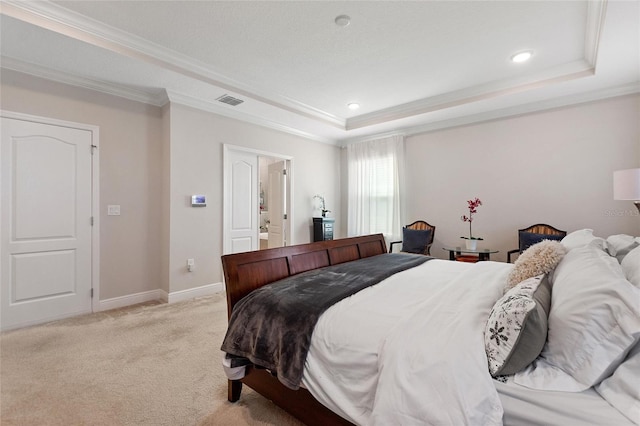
[
  {"x": 159, "y": 98},
  {"x": 63, "y": 21},
  {"x": 596, "y": 13},
  {"x": 571, "y": 71},
  {"x": 343, "y": 143},
  {"x": 156, "y": 98},
  {"x": 204, "y": 105},
  {"x": 566, "y": 101}
]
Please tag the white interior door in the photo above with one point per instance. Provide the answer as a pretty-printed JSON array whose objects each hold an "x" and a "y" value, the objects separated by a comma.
[
  {"x": 46, "y": 209},
  {"x": 241, "y": 201},
  {"x": 277, "y": 203}
]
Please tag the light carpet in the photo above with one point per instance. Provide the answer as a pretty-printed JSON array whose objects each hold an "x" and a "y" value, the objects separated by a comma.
[{"x": 152, "y": 364}]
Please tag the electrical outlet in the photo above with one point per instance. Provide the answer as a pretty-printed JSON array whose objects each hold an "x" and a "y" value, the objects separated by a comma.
[{"x": 191, "y": 263}]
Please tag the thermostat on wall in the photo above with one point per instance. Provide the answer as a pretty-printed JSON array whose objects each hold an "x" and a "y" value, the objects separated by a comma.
[{"x": 198, "y": 201}]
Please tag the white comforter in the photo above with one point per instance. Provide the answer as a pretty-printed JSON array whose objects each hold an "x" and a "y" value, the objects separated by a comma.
[{"x": 410, "y": 350}]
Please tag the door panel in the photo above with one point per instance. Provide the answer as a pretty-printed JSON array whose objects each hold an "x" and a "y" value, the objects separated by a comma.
[
  {"x": 45, "y": 181},
  {"x": 45, "y": 250},
  {"x": 42, "y": 275},
  {"x": 240, "y": 244},
  {"x": 241, "y": 194},
  {"x": 241, "y": 201}
]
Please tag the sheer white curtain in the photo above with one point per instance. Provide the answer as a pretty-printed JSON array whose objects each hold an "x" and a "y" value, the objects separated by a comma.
[{"x": 376, "y": 181}]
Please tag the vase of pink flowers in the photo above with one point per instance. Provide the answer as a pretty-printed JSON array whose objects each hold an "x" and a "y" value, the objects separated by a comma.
[{"x": 471, "y": 241}]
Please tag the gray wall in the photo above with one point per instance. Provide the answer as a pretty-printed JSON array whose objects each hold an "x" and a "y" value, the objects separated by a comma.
[{"x": 552, "y": 167}]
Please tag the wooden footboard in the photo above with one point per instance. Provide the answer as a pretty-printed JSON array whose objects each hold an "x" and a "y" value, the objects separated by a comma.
[{"x": 245, "y": 272}]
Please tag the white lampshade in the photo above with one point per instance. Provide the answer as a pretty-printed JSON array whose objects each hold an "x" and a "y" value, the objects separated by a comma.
[{"x": 626, "y": 184}]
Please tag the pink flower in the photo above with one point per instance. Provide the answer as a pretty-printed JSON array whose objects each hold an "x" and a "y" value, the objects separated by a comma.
[{"x": 473, "y": 208}]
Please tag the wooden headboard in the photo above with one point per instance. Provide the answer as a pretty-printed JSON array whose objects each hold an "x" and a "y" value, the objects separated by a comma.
[{"x": 245, "y": 272}]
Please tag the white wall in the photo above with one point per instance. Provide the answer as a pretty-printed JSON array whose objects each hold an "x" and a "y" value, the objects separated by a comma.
[{"x": 551, "y": 167}]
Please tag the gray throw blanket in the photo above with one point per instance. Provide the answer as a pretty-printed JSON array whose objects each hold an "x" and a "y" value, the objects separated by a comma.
[{"x": 271, "y": 327}]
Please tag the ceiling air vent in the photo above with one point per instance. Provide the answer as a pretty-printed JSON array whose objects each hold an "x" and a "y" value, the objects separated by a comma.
[{"x": 226, "y": 99}]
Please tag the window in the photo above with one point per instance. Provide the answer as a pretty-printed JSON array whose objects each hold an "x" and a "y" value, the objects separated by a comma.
[{"x": 375, "y": 183}]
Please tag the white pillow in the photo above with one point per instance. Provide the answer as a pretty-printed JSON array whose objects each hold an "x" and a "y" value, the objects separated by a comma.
[
  {"x": 622, "y": 388},
  {"x": 580, "y": 238},
  {"x": 620, "y": 245},
  {"x": 631, "y": 266},
  {"x": 593, "y": 321}
]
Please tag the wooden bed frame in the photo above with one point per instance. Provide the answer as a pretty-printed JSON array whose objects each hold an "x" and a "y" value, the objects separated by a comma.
[{"x": 245, "y": 272}]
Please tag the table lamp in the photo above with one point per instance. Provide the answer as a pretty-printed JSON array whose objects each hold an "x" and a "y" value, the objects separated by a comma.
[{"x": 626, "y": 186}]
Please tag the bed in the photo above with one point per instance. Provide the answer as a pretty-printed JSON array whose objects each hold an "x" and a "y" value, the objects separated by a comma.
[{"x": 420, "y": 346}]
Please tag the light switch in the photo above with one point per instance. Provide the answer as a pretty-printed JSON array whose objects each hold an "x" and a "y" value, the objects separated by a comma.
[{"x": 113, "y": 210}]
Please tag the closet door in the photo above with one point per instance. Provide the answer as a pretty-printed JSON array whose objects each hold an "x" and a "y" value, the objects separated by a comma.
[{"x": 45, "y": 232}]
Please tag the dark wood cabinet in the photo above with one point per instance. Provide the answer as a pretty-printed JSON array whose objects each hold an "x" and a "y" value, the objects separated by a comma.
[{"x": 323, "y": 228}]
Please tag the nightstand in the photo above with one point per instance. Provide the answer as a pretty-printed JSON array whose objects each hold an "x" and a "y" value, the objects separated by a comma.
[{"x": 323, "y": 228}]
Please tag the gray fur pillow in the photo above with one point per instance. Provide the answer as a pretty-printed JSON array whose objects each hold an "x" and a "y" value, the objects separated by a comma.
[{"x": 540, "y": 258}]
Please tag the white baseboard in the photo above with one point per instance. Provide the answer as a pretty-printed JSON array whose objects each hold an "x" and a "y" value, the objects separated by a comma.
[
  {"x": 131, "y": 299},
  {"x": 205, "y": 290},
  {"x": 148, "y": 296}
]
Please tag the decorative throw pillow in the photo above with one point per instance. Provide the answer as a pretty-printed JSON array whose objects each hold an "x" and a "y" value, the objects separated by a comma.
[
  {"x": 631, "y": 266},
  {"x": 538, "y": 259},
  {"x": 527, "y": 239},
  {"x": 415, "y": 240},
  {"x": 593, "y": 322},
  {"x": 517, "y": 327}
]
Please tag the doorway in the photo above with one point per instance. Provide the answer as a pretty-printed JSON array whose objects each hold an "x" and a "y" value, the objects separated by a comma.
[
  {"x": 257, "y": 199},
  {"x": 273, "y": 201}
]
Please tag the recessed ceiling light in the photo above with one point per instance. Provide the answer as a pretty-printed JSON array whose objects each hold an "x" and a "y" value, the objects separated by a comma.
[
  {"x": 353, "y": 106},
  {"x": 522, "y": 56},
  {"x": 342, "y": 20}
]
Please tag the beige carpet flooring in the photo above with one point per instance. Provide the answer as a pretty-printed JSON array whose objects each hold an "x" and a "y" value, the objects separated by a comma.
[{"x": 152, "y": 364}]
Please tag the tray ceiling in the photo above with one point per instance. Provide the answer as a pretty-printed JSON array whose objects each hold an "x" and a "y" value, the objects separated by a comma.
[{"x": 412, "y": 66}]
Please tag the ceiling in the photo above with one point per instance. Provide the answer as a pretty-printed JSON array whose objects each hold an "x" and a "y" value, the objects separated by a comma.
[{"x": 413, "y": 66}]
